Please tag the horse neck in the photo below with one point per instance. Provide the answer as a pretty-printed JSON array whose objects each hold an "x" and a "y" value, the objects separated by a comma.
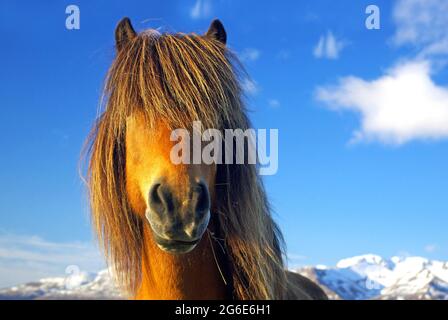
[{"x": 194, "y": 275}]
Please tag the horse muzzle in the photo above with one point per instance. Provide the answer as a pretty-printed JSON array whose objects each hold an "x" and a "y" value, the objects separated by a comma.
[{"x": 178, "y": 225}]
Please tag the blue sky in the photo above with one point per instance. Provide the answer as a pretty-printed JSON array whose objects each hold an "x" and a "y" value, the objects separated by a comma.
[{"x": 362, "y": 118}]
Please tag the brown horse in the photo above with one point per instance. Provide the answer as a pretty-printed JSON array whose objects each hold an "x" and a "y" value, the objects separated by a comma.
[{"x": 181, "y": 231}]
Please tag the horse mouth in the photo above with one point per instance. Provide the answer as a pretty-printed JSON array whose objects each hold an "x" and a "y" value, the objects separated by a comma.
[{"x": 175, "y": 246}]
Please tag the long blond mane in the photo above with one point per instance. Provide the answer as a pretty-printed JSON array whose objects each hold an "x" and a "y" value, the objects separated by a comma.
[{"x": 181, "y": 78}]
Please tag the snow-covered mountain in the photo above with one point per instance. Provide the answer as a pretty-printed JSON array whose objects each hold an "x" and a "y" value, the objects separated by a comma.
[
  {"x": 81, "y": 285},
  {"x": 373, "y": 277},
  {"x": 361, "y": 277}
]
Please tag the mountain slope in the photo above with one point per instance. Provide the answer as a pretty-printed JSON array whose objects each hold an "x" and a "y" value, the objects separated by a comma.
[
  {"x": 361, "y": 277},
  {"x": 79, "y": 286},
  {"x": 373, "y": 277}
]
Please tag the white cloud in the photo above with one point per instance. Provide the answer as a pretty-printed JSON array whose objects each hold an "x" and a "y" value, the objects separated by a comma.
[
  {"x": 249, "y": 86},
  {"x": 430, "y": 248},
  {"x": 423, "y": 24},
  {"x": 328, "y": 47},
  {"x": 201, "y": 9},
  {"x": 274, "y": 103},
  {"x": 29, "y": 258},
  {"x": 402, "y": 105},
  {"x": 250, "y": 54}
]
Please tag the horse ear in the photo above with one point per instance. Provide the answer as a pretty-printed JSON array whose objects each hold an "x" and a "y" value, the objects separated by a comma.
[
  {"x": 124, "y": 32},
  {"x": 216, "y": 31}
]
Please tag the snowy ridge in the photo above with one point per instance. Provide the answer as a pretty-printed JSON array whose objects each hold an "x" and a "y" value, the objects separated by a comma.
[
  {"x": 373, "y": 277},
  {"x": 361, "y": 277},
  {"x": 82, "y": 285}
]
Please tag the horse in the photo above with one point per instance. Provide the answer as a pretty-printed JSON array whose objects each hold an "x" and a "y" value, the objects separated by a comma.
[{"x": 180, "y": 231}]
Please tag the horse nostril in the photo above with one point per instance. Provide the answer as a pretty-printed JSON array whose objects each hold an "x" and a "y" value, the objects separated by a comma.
[
  {"x": 201, "y": 199},
  {"x": 161, "y": 200}
]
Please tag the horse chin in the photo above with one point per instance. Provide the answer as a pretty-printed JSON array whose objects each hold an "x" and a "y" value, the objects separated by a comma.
[
  {"x": 175, "y": 246},
  {"x": 177, "y": 249}
]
